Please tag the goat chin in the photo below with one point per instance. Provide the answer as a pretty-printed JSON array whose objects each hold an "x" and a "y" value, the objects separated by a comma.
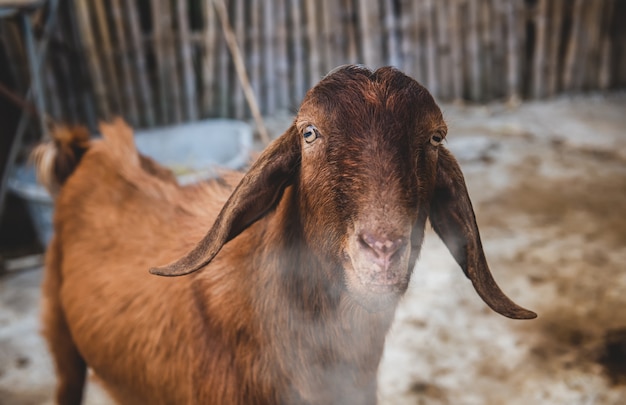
[
  {"x": 350, "y": 184},
  {"x": 377, "y": 286}
]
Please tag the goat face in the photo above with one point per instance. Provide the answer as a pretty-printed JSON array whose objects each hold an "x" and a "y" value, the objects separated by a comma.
[
  {"x": 364, "y": 155},
  {"x": 368, "y": 144}
]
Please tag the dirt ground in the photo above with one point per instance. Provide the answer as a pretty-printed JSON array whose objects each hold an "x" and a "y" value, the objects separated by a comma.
[{"x": 548, "y": 182}]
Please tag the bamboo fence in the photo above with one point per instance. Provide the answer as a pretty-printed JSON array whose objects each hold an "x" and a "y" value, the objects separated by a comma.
[{"x": 159, "y": 62}]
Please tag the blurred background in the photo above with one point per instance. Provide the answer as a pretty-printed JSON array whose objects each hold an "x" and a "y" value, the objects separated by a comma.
[
  {"x": 159, "y": 62},
  {"x": 533, "y": 92}
]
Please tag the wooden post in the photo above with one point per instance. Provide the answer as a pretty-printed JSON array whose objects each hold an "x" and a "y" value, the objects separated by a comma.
[
  {"x": 159, "y": 29},
  {"x": 497, "y": 73},
  {"x": 88, "y": 46},
  {"x": 223, "y": 69},
  {"x": 184, "y": 44},
  {"x": 163, "y": 16},
  {"x": 297, "y": 49},
  {"x": 208, "y": 59},
  {"x": 513, "y": 49},
  {"x": 108, "y": 57},
  {"x": 141, "y": 71},
  {"x": 326, "y": 32},
  {"x": 254, "y": 56},
  {"x": 553, "y": 65},
  {"x": 313, "y": 48},
  {"x": 604, "y": 71},
  {"x": 593, "y": 44},
  {"x": 571, "y": 56},
  {"x": 368, "y": 12},
  {"x": 269, "y": 77},
  {"x": 487, "y": 60},
  {"x": 474, "y": 54},
  {"x": 350, "y": 32},
  {"x": 281, "y": 68},
  {"x": 222, "y": 12},
  {"x": 239, "y": 102},
  {"x": 171, "y": 62},
  {"x": 419, "y": 42},
  {"x": 456, "y": 41},
  {"x": 127, "y": 74},
  {"x": 391, "y": 24},
  {"x": 431, "y": 48},
  {"x": 407, "y": 29},
  {"x": 443, "y": 50},
  {"x": 539, "y": 54}
]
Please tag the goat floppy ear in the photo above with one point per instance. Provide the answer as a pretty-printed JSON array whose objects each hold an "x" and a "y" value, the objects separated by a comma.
[
  {"x": 257, "y": 193},
  {"x": 452, "y": 217}
]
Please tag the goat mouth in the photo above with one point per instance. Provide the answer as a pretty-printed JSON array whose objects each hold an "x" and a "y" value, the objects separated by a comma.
[
  {"x": 381, "y": 281},
  {"x": 375, "y": 289},
  {"x": 395, "y": 288},
  {"x": 377, "y": 297}
]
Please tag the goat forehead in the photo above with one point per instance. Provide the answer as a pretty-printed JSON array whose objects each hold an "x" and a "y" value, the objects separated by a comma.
[{"x": 385, "y": 103}]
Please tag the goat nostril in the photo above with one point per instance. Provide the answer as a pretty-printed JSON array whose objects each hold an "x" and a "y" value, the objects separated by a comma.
[{"x": 382, "y": 247}]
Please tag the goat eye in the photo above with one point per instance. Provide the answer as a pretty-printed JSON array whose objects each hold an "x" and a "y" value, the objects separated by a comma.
[
  {"x": 436, "y": 139},
  {"x": 310, "y": 134}
]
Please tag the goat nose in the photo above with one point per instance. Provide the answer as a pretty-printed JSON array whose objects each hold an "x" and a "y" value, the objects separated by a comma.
[{"x": 382, "y": 247}]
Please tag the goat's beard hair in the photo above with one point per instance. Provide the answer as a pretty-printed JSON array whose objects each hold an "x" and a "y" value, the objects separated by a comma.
[{"x": 334, "y": 341}]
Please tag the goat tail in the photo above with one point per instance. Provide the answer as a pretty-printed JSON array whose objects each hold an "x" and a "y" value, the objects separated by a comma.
[{"x": 56, "y": 159}]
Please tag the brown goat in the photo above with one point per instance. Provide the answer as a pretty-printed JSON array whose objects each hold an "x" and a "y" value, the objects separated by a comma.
[{"x": 306, "y": 258}]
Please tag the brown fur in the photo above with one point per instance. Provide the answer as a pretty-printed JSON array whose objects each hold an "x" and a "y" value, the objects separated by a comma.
[{"x": 288, "y": 307}]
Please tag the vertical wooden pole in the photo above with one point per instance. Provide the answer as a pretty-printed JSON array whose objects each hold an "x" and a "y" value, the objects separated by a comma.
[
  {"x": 474, "y": 54},
  {"x": 184, "y": 45},
  {"x": 419, "y": 42},
  {"x": 239, "y": 26},
  {"x": 431, "y": 52},
  {"x": 496, "y": 26},
  {"x": 159, "y": 31},
  {"x": 604, "y": 71},
  {"x": 223, "y": 69},
  {"x": 172, "y": 62},
  {"x": 407, "y": 30},
  {"x": 513, "y": 49},
  {"x": 208, "y": 59},
  {"x": 130, "y": 90},
  {"x": 313, "y": 34},
  {"x": 169, "y": 61},
  {"x": 553, "y": 64},
  {"x": 443, "y": 50},
  {"x": 593, "y": 45},
  {"x": 325, "y": 32},
  {"x": 89, "y": 48},
  {"x": 350, "y": 32},
  {"x": 538, "y": 71},
  {"x": 141, "y": 71},
  {"x": 297, "y": 50},
  {"x": 254, "y": 57},
  {"x": 456, "y": 51},
  {"x": 571, "y": 56},
  {"x": 370, "y": 35},
  {"x": 282, "y": 62},
  {"x": 108, "y": 57},
  {"x": 269, "y": 71},
  {"x": 391, "y": 30},
  {"x": 238, "y": 61},
  {"x": 486, "y": 19}
]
